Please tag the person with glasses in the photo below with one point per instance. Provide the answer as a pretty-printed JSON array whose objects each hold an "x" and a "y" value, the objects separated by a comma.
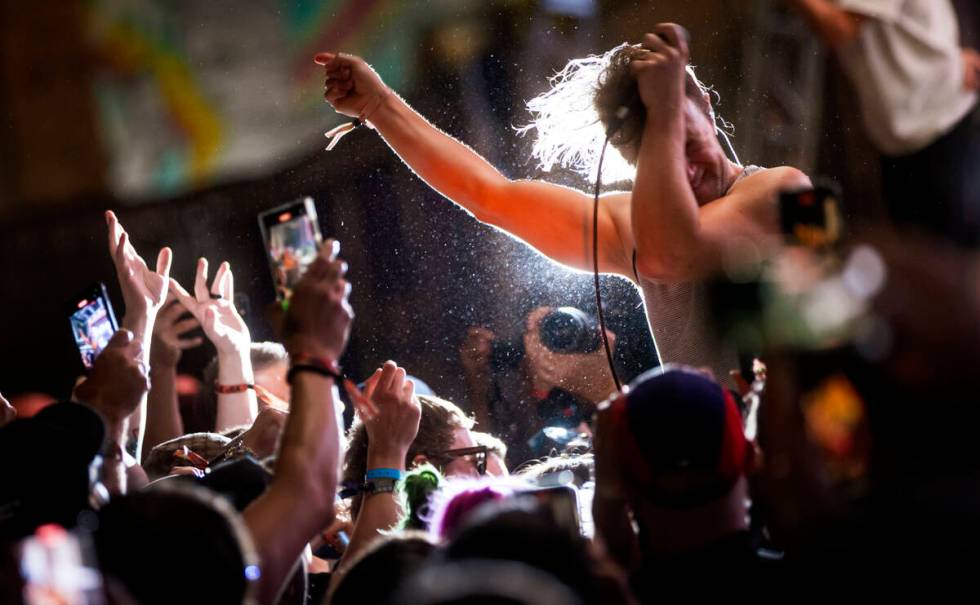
[
  {"x": 396, "y": 430},
  {"x": 464, "y": 459}
]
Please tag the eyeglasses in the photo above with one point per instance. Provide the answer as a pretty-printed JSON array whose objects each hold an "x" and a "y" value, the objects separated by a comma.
[{"x": 478, "y": 452}]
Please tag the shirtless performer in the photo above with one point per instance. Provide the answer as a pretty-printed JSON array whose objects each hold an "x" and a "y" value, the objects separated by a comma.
[{"x": 690, "y": 210}]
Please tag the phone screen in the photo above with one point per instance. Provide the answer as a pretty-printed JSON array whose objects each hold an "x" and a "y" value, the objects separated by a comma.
[
  {"x": 836, "y": 423},
  {"x": 59, "y": 567},
  {"x": 92, "y": 322},
  {"x": 563, "y": 503},
  {"x": 292, "y": 239},
  {"x": 811, "y": 217}
]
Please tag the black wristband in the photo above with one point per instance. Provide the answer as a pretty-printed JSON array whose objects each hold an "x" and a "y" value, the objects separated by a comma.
[{"x": 316, "y": 369}]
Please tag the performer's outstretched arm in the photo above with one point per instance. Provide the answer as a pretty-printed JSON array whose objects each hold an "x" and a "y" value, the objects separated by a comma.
[{"x": 554, "y": 219}]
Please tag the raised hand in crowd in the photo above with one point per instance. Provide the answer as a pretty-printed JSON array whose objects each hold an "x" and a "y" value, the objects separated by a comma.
[
  {"x": 583, "y": 374},
  {"x": 311, "y": 328},
  {"x": 144, "y": 292},
  {"x": 215, "y": 309},
  {"x": 391, "y": 413},
  {"x": 300, "y": 500},
  {"x": 170, "y": 334}
]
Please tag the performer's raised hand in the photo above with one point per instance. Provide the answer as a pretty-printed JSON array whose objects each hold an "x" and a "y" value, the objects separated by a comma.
[
  {"x": 353, "y": 88},
  {"x": 660, "y": 74}
]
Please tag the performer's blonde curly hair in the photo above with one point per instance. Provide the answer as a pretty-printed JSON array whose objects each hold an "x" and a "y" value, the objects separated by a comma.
[{"x": 570, "y": 119}]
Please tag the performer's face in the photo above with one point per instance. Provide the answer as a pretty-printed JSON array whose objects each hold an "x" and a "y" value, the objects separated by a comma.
[
  {"x": 707, "y": 164},
  {"x": 706, "y": 161}
]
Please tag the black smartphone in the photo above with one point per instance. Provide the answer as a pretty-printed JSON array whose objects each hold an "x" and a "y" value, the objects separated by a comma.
[
  {"x": 811, "y": 217},
  {"x": 562, "y": 502},
  {"x": 92, "y": 322},
  {"x": 292, "y": 239}
]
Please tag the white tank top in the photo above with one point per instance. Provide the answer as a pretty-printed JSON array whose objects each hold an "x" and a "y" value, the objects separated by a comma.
[{"x": 680, "y": 321}]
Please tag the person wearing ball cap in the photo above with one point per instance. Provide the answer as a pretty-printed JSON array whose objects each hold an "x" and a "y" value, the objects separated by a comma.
[
  {"x": 671, "y": 449},
  {"x": 688, "y": 433},
  {"x": 47, "y": 475}
]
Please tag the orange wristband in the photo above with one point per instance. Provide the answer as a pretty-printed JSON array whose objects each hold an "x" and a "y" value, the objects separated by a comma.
[{"x": 227, "y": 389}]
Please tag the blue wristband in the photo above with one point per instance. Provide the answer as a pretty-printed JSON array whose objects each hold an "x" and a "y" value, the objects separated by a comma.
[{"x": 384, "y": 473}]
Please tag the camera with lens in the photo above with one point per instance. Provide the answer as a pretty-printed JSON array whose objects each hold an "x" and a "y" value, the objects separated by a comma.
[
  {"x": 563, "y": 330},
  {"x": 569, "y": 330}
]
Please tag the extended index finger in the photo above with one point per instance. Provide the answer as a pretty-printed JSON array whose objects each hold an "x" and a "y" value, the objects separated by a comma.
[
  {"x": 113, "y": 231},
  {"x": 201, "y": 281},
  {"x": 164, "y": 259},
  {"x": 323, "y": 58}
]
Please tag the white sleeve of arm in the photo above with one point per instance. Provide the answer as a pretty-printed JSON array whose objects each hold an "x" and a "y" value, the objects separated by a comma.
[{"x": 881, "y": 10}]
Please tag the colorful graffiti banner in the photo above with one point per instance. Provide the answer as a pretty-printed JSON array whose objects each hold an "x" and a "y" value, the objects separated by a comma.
[{"x": 192, "y": 93}]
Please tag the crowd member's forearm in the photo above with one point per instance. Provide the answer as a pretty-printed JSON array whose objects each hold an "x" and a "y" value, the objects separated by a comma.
[
  {"x": 307, "y": 471},
  {"x": 113, "y": 456},
  {"x": 235, "y": 409},
  {"x": 310, "y": 447},
  {"x": 141, "y": 325},
  {"x": 137, "y": 428},
  {"x": 664, "y": 211},
  {"x": 379, "y": 513},
  {"x": 835, "y": 26},
  {"x": 163, "y": 420}
]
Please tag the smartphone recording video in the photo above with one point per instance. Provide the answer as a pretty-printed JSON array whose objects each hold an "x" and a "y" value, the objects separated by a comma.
[
  {"x": 58, "y": 566},
  {"x": 92, "y": 322},
  {"x": 292, "y": 239},
  {"x": 562, "y": 502},
  {"x": 812, "y": 217}
]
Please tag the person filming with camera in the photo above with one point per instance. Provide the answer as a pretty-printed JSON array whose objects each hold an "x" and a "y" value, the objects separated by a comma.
[{"x": 538, "y": 393}]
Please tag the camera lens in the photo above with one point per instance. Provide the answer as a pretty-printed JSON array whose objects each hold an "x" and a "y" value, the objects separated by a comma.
[{"x": 569, "y": 330}]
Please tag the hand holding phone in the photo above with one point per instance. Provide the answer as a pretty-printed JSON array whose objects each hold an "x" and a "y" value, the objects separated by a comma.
[
  {"x": 319, "y": 317},
  {"x": 118, "y": 379}
]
